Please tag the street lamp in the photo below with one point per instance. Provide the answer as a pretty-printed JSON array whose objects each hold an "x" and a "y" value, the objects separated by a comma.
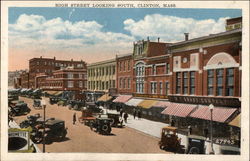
[
  {"x": 211, "y": 108},
  {"x": 43, "y": 103}
]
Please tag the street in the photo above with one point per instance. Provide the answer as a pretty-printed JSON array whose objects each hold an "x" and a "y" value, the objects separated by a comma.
[{"x": 81, "y": 139}]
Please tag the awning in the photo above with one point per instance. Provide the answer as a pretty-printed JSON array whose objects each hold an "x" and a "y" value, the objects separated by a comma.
[
  {"x": 105, "y": 98},
  {"x": 162, "y": 104},
  {"x": 179, "y": 109},
  {"x": 122, "y": 98},
  {"x": 51, "y": 92},
  {"x": 134, "y": 102},
  {"x": 147, "y": 103},
  {"x": 58, "y": 93},
  {"x": 220, "y": 114},
  {"x": 235, "y": 121}
]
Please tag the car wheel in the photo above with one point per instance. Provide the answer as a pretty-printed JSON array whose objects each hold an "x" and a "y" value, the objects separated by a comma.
[
  {"x": 194, "y": 150},
  {"x": 162, "y": 147}
]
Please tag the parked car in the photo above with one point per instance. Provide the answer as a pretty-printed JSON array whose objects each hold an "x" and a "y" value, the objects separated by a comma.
[
  {"x": 31, "y": 121},
  {"x": 55, "y": 130},
  {"x": 37, "y": 104},
  {"x": 17, "y": 108},
  {"x": 196, "y": 144},
  {"x": 117, "y": 120},
  {"x": 101, "y": 125},
  {"x": 76, "y": 105},
  {"x": 62, "y": 102},
  {"x": 53, "y": 100},
  {"x": 169, "y": 139},
  {"x": 36, "y": 94}
]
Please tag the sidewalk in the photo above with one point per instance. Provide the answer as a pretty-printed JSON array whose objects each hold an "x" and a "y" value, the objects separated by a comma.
[{"x": 153, "y": 128}]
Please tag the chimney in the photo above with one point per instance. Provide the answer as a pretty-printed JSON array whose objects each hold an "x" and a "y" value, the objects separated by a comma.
[
  {"x": 186, "y": 36},
  {"x": 158, "y": 39}
]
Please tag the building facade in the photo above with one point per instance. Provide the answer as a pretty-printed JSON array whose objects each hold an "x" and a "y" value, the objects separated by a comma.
[
  {"x": 124, "y": 68},
  {"x": 102, "y": 76},
  {"x": 48, "y": 65},
  {"x": 25, "y": 79}
]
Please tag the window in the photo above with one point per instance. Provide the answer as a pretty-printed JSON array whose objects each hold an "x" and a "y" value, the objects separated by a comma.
[
  {"x": 230, "y": 82},
  {"x": 80, "y": 84},
  {"x": 37, "y": 63},
  {"x": 192, "y": 83},
  {"x": 113, "y": 70},
  {"x": 219, "y": 82},
  {"x": 70, "y": 84},
  {"x": 185, "y": 82},
  {"x": 160, "y": 86},
  {"x": 85, "y": 84},
  {"x": 178, "y": 83},
  {"x": 167, "y": 88},
  {"x": 45, "y": 63},
  {"x": 128, "y": 65},
  {"x": 70, "y": 75},
  {"x": 120, "y": 83},
  {"x": 128, "y": 83},
  {"x": 124, "y": 83},
  {"x": 153, "y": 87},
  {"x": 167, "y": 68},
  {"x": 139, "y": 77},
  {"x": 124, "y": 66},
  {"x": 210, "y": 82},
  {"x": 113, "y": 83},
  {"x": 153, "y": 70}
]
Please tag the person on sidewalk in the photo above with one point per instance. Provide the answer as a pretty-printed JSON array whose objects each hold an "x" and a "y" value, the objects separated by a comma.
[
  {"x": 172, "y": 122},
  {"x": 74, "y": 118},
  {"x": 190, "y": 129},
  {"x": 135, "y": 113},
  {"x": 125, "y": 116},
  {"x": 139, "y": 114}
]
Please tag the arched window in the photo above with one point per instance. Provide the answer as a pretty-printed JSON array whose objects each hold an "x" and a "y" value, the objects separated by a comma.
[{"x": 140, "y": 72}]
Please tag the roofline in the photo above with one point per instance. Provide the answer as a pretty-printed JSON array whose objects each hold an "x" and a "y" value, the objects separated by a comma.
[
  {"x": 79, "y": 61},
  {"x": 124, "y": 55},
  {"x": 102, "y": 62},
  {"x": 207, "y": 37}
]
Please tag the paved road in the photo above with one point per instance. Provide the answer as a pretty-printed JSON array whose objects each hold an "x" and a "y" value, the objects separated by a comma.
[{"x": 81, "y": 139}]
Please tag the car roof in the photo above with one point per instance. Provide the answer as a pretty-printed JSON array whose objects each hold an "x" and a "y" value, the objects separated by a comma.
[
  {"x": 52, "y": 122},
  {"x": 196, "y": 137}
]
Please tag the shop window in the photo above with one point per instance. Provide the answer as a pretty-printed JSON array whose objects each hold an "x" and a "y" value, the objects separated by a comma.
[
  {"x": 230, "y": 82},
  {"x": 219, "y": 82},
  {"x": 185, "y": 82},
  {"x": 192, "y": 83},
  {"x": 178, "y": 83},
  {"x": 210, "y": 80}
]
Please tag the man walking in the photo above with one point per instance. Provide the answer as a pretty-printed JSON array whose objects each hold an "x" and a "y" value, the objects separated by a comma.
[
  {"x": 74, "y": 118},
  {"x": 125, "y": 116},
  {"x": 135, "y": 112}
]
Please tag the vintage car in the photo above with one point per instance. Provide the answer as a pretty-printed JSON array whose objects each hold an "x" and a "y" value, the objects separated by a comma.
[
  {"x": 87, "y": 116},
  {"x": 76, "y": 105},
  {"x": 117, "y": 120},
  {"x": 196, "y": 144},
  {"x": 169, "y": 139},
  {"x": 55, "y": 130},
  {"x": 31, "y": 121},
  {"x": 53, "y": 100},
  {"x": 17, "y": 108},
  {"x": 62, "y": 102},
  {"x": 37, "y": 104},
  {"x": 36, "y": 94},
  {"x": 102, "y": 125}
]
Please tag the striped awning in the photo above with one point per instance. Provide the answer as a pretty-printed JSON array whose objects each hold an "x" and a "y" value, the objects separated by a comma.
[
  {"x": 235, "y": 121},
  {"x": 58, "y": 93},
  {"x": 134, "y": 102},
  {"x": 147, "y": 103},
  {"x": 51, "y": 92},
  {"x": 162, "y": 104},
  {"x": 179, "y": 109},
  {"x": 220, "y": 114},
  {"x": 122, "y": 98},
  {"x": 105, "y": 98}
]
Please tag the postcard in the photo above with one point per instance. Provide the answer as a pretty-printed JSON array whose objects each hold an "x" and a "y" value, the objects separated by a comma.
[{"x": 124, "y": 80}]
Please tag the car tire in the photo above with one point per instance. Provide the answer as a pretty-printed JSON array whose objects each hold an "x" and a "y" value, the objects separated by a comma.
[{"x": 194, "y": 150}]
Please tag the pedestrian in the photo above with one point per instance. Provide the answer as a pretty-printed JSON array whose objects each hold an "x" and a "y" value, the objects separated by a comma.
[
  {"x": 125, "y": 116},
  {"x": 206, "y": 132},
  {"x": 74, "y": 118},
  {"x": 139, "y": 114},
  {"x": 121, "y": 112},
  {"x": 172, "y": 122},
  {"x": 190, "y": 129},
  {"x": 135, "y": 113}
]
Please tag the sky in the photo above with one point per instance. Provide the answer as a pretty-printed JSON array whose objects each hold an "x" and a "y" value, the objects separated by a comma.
[{"x": 96, "y": 34}]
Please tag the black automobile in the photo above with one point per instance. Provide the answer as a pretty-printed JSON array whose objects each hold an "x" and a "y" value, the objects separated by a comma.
[
  {"x": 101, "y": 125},
  {"x": 55, "y": 130},
  {"x": 32, "y": 121},
  {"x": 196, "y": 144},
  {"x": 37, "y": 103},
  {"x": 117, "y": 120},
  {"x": 36, "y": 94},
  {"x": 76, "y": 105},
  {"x": 17, "y": 108},
  {"x": 53, "y": 100}
]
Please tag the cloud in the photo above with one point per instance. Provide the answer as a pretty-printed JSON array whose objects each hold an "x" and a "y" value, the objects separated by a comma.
[
  {"x": 171, "y": 28},
  {"x": 62, "y": 34}
]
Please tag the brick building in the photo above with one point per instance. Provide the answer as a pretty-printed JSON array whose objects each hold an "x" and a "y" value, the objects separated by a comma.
[
  {"x": 151, "y": 69},
  {"x": 124, "y": 68},
  {"x": 48, "y": 65},
  {"x": 25, "y": 79}
]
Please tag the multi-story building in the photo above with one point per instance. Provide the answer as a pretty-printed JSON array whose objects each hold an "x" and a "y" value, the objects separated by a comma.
[
  {"x": 102, "y": 75},
  {"x": 151, "y": 69},
  {"x": 25, "y": 79},
  {"x": 124, "y": 72},
  {"x": 48, "y": 65}
]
